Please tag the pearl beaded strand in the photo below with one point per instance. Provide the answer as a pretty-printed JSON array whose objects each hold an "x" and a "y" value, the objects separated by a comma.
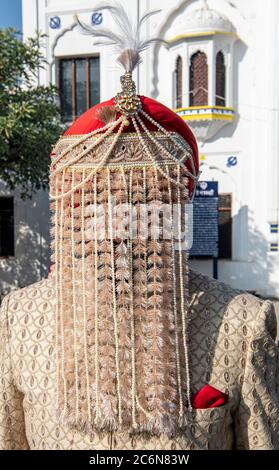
[
  {"x": 130, "y": 246},
  {"x": 175, "y": 310},
  {"x": 114, "y": 300},
  {"x": 96, "y": 323},
  {"x": 84, "y": 298},
  {"x": 61, "y": 299},
  {"x": 57, "y": 248},
  {"x": 140, "y": 407},
  {"x": 170, "y": 136},
  {"x": 164, "y": 151},
  {"x": 182, "y": 304},
  {"x": 109, "y": 127},
  {"x": 96, "y": 168},
  {"x": 74, "y": 297},
  {"x": 149, "y": 154}
]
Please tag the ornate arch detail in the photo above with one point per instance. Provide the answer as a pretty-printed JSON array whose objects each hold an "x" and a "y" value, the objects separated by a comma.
[
  {"x": 246, "y": 33},
  {"x": 60, "y": 35},
  {"x": 172, "y": 15},
  {"x": 220, "y": 71},
  {"x": 54, "y": 44},
  {"x": 178, "y": 82},
  {"x": 198, "y": 81}
]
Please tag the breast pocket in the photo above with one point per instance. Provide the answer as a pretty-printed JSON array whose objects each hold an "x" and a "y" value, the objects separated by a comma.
[{"x": 209, "y": 428}]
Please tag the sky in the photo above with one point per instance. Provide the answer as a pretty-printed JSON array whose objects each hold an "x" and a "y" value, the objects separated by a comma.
[{"x": 10, "y": 15}]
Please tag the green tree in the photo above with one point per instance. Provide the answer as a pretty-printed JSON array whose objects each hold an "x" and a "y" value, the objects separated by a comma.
[{"x": 30, "y": 120}]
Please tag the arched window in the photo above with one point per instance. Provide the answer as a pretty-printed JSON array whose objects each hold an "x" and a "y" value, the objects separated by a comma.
[
  {"x": 198, "y": 80},
  {"x": 220, "y": 98},
  {"x": 178, "y": 82}
]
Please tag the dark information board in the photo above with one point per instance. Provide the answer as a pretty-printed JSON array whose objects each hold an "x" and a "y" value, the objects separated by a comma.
[{"x": 205, "y": 220}]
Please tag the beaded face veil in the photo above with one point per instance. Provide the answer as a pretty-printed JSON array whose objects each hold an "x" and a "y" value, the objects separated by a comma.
[{"x": 120, "y": 178}]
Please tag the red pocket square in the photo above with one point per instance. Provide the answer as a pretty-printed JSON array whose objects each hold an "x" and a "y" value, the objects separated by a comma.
[{"x": 209, "y": 397}]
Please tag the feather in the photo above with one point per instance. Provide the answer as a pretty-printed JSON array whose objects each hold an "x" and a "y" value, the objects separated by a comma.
[
  {"x": 82, "y": 27},
  {"x": 129, "y": 59},
  {"x": 115, "y": 39},
  {"x": 107, "y": 114},
  {"x": 143, "y": 45},
  {"x": 146, "y": 16},
  {"x": 120, "y": 17},
  {"x": 127, "y": 41}
]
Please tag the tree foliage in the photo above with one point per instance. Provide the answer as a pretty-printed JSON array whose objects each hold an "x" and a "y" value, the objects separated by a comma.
[{"x": 30, "y": 120}]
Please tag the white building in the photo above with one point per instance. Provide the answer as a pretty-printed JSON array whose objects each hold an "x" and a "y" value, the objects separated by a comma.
[{"x": 220, "y": 72}]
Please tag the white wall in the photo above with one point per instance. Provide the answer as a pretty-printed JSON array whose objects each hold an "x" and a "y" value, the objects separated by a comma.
[
  {"x": 31, "y": 260},
  {"x": 253, "y": 137}
]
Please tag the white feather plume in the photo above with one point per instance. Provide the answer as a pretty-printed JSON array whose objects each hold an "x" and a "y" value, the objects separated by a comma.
[{"x": 127, "y": 41}]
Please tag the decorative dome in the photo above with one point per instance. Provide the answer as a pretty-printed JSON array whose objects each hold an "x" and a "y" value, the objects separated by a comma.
[{"x": 204, "y": 19}]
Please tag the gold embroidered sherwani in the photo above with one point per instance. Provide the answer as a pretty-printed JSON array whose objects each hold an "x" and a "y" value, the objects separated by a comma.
[{"x": 232, "y": 348}]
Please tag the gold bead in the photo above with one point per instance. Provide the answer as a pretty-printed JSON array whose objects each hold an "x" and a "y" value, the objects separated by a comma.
[{"x": 126, "y": 122}]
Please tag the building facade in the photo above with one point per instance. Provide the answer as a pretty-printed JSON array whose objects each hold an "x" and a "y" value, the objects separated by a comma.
[{"x": 219, "y": 70}]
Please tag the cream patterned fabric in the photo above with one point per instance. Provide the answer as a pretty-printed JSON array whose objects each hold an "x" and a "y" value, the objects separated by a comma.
[{"x": 232, "y": 348}]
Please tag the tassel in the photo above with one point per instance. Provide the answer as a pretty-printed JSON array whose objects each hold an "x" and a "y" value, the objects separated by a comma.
[
  {"x": 83, "y": 290},
  {"x": 182, "y": 293},
  {"x": 123, "y": 287},
  {"x": 107, "y": 114},
  {"x": 116, "y": 337},
  {"x": 76, "y": 396}
]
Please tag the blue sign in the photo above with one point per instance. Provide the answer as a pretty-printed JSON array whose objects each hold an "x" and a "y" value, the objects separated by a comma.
[
  {"x": 55, "y": 22},
  {"x": 274, "y": 228},
  {"x": 232, "y": 161},
  {"x": 97, "y": 18},
  {"x": 205, "y": 220}
]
